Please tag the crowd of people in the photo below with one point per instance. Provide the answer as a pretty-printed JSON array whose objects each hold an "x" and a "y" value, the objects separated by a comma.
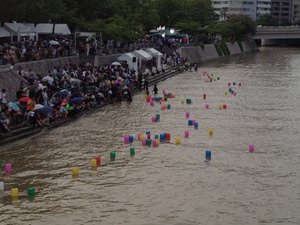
[
  {"x": 47, "y": 47},
  {"x": 26, "y": 49},
  {"x": 65, "y": 92}
]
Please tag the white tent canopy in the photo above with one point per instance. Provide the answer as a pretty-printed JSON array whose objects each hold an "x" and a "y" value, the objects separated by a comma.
[
  {"x": 44, "y": 28},
  {"x": 153, "y": 52},
  {"x": 86, "y": 34},
  {"x": 126, "y": 56},
  {"x": 157, "y": 56},
  {"x": 4, "y": 33},
  {"x": 20, "y": 29},
  {"x": 61, "y": 29},
  {"x": 130, "y": 59},
  {"x": 142, "y": 55}
]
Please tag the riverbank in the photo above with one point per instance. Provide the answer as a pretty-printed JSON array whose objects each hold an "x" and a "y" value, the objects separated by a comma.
[
  {"x": 208, "y": 52},
  {"x": 195, "y": 54},
  {"x": 24, "y": 132},
  {"x": 234, "y": 187}
]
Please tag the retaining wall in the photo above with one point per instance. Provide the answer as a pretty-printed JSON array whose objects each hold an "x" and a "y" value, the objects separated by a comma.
[
  {"x": 107, "y": 59},
  {"x": 42, "y": 66},
  {"x": 196, "y": 54},
  {"x": 11, "y": 81},
  {"x": 210, "y": 52},
  {"x": 233, "y": 48}
]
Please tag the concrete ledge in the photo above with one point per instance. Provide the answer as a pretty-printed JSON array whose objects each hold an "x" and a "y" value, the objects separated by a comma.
[
  {"x": 11, "y": 81},
  {"x": 196, "y": 54},
  {"x": 233, "y": 48}
]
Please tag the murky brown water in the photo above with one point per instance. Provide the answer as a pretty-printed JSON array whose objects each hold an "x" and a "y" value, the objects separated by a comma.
[{"x": 173, "y": 184}]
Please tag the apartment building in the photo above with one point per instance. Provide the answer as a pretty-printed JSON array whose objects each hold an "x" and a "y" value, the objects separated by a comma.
[
  {"x": 284, "y": 11},
  {"x": 263, "y": 7}
]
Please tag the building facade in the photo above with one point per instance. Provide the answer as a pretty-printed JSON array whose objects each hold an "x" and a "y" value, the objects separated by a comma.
[
  {"x": 224, "y": 8},
  {"x": 284, "y": 11},
  {"x": 263, "y": 8},
  {"x": 296, "y": 11}
]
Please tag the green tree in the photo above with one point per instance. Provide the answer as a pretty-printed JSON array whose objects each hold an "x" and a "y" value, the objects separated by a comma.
[
  {"x": 266, "y": 20},
  {"x": 197, "y": 15},
  {"x": 122, "y": 19},
  {"x": 235, "y": 28},
  {"x": 170, "y": 11}
]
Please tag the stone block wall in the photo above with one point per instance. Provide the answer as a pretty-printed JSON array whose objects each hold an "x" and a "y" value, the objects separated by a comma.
[
  {"x": 42, "y": 66},
  {"x": 106, "y": 59},
  {"x": 193, "y": 53},
  {"x": 210, "y": 52},
  {"x": 196, "y": 54},
  {"x": 233, "y": 48},
  {"x": 11, "y": 81}
]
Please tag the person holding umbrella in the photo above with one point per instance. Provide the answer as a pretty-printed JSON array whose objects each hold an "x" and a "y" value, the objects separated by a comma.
[{"x": 15, "y": 112}]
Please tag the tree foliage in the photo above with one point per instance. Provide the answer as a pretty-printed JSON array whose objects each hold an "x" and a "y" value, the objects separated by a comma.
[
  {"x": 235, "y": 28},
  {"x": 118, "y": 19},
  {"x": 266, "y": 20}
]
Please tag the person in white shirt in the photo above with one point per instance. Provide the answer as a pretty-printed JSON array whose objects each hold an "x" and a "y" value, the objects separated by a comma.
[{"x": 3, "y": 97}]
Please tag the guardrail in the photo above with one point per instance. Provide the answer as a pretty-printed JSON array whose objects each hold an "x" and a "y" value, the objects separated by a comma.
[{"x": 273, "y": 29}]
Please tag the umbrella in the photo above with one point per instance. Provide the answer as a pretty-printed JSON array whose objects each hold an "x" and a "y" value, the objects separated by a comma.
[
  {"x": 77, "y": 100},
  {"x": 52, "y": 42},
  {"x": 45, "y": 110},
  {"x": 48, "y": 79},
  {"x": 69, "y": 107},
  {"x": 66, "y": 77},
  {"x": 116, "y": 64},
  {"x": 62, "y": 93},
  {"x": 13, "y": 106},
  {"x": 24, "y": 99},
  {"x": 38, "y": 106},
  {"x": 75, "y": 80},
  {"x": 121, "y": 79}
]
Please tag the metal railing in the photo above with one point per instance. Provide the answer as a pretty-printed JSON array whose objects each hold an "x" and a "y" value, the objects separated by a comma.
[{"x": 278, "y": 29}]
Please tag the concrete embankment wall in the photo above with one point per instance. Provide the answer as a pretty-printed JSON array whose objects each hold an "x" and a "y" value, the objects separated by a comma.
[
  {"x": 233, "y": 48},
  {"x": 107, "y": 59},
  {"x": 197, "y": 54},
  {"x": 11, "y": 81},
  {"x": 210, "y": 52},
  {"x": 42, "y": 66}
]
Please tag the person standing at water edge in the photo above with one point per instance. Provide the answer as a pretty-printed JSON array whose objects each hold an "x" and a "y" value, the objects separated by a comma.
[
  {"x": 155, "y": 90},
  {"x": 147, "y": 92}
]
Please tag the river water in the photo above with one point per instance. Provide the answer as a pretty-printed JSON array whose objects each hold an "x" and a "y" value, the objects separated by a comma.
[{"x": 173, "y": 184}]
